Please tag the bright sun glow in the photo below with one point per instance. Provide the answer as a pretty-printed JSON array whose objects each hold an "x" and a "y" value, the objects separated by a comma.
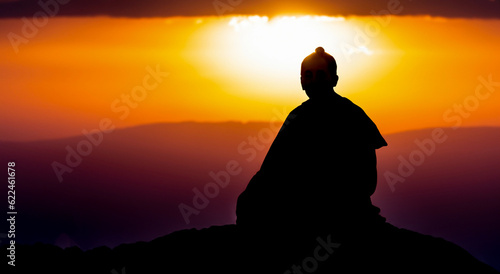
[
  {"x": 284, "y": 39},
  {"x": 266, "y": 53}
]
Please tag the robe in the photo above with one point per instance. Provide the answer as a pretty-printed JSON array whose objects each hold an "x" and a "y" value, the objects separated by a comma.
[{"x": 320, "y": 171}]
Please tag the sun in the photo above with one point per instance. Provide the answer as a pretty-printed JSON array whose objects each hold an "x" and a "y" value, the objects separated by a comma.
[
  {"x": 283, "y": 39},
  {"x": 260, "y": 57}
]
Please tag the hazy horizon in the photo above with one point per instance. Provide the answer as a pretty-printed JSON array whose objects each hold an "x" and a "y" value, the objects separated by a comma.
[
  {"x": 27, "y": 139},
  {"x": 406, "y": 72}
]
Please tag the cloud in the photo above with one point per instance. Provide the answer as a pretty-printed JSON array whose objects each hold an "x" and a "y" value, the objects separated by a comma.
[{"x": 163, "y": 8}]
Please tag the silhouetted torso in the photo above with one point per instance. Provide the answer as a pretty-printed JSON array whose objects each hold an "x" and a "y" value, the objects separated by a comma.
[{"x": 319, "y": 172}]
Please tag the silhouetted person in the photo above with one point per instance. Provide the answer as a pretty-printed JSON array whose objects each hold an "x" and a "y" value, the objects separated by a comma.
[
  {"x": 307, "y": 210},
  {"x": 320, "y": 171}
]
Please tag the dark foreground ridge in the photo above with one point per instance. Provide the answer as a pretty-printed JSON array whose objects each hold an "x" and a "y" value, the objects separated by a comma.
[{"x": 220, "y": 249}]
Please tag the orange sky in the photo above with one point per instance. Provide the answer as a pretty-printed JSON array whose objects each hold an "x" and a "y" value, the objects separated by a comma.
[{"x": 405, "y": 72}]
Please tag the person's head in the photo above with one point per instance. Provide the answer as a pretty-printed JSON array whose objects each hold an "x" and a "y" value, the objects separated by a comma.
[{"x": 318, "y": 73}]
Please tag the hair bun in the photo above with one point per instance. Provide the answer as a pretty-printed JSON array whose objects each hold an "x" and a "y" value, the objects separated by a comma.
[{"x": 320, "y": 50}]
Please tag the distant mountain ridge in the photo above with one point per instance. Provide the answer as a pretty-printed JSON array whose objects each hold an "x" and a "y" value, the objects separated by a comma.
[{"x": 129, "y": 186}]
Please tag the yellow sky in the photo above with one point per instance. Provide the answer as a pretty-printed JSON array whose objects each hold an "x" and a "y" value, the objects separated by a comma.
[{"x": 406, "y": 72}]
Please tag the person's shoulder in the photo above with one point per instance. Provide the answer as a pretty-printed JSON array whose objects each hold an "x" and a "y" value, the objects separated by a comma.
[
  {"x": 305, "y": 104},
  {"x": 297, "y": 112},
  {"x": 371, "y": 131},
  {"x": 347, "y": 101},
  {"x": 302, "y": 107},
  {"x": 351, "y": 106}
]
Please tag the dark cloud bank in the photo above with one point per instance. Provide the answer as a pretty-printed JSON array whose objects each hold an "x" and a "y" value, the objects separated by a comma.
[{"x": 162, "y": 8}]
